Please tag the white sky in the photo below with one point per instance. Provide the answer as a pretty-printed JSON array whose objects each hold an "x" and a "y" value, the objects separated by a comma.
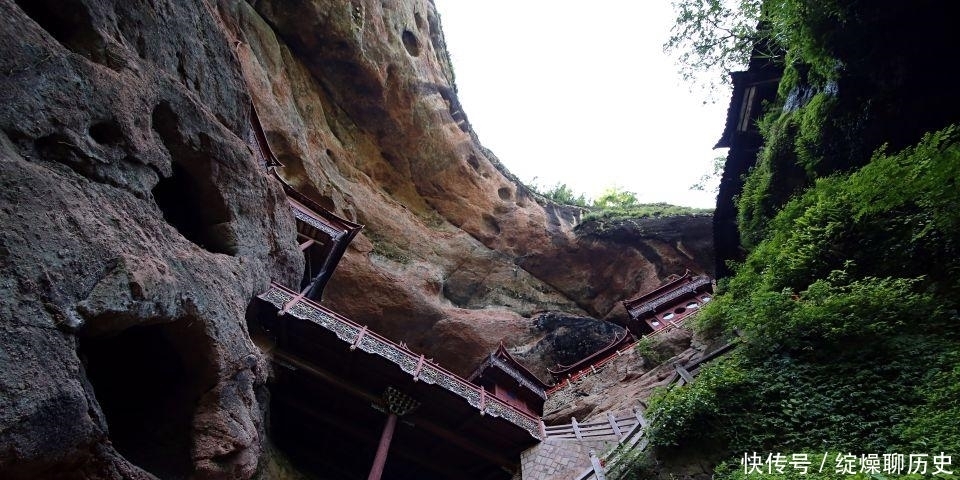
[{"x": 582, "y": 93}]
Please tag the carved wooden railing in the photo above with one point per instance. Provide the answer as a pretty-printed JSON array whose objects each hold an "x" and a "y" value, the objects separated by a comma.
[
  {"x": 360, "y": 337},
  {"x": 652, "y": 305},
  {"x": 603, "y": 353},
  {"x": 615, "y": 426}
]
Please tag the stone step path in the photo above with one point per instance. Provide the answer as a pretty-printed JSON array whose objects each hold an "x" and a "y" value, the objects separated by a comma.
[{"x": 569, "y": 451}]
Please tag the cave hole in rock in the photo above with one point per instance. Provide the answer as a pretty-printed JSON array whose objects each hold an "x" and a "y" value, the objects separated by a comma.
[
  {"x": 106, "y": 133},
  {"x": 411, "y": 43},
  {"x": 70, "y": 23},
  {"x": 261, "y": 335},
  {"x": 504, "y": 193},
  {"x": 60, "y": 148},
  {"x": 57, "y": 147},
  {"x": 490, "y": 224},
  {"x": 148, "y": 381},
  {"x": 474, "y": 162},
  {"x": 184, "y": 206},
  {"x": 189, "y": 198}
]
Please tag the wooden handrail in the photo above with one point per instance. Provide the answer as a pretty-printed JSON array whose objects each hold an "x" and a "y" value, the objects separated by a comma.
[
  {"x": 608, "y": 427},
  {"x": 359, "y": 336}
]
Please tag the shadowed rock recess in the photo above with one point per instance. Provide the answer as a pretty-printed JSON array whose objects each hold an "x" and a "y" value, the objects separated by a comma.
[{"x": 138, "y": 226}]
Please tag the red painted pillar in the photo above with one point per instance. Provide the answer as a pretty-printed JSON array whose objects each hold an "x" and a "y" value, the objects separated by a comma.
[{"x": 376, "y": 471}]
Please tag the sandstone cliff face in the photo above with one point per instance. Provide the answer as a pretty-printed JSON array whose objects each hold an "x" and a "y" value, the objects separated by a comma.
[
  {"x": 138, "y": 226},
  {"x": 104, "y": 107}
]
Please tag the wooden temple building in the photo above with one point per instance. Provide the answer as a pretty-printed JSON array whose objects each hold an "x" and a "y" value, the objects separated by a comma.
[
  {"x": 508, "y": 380},
  {"x": 669, "y": 303},
  {"x": 323, "y": 236},
  {"x": 752, "y": 88},
  {"x": 348, "y": 403},
  {"x": 323, "y": 239}
]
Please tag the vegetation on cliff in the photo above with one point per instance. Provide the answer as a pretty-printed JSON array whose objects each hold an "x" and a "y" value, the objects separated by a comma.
[
  {"x": 614, "y": 204},
  {"x": 849, "y": 320},
  {"x": 847, "y": 301}
]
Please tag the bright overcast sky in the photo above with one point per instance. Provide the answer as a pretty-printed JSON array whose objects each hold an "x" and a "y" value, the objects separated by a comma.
[{"x": 581, "y": 93}]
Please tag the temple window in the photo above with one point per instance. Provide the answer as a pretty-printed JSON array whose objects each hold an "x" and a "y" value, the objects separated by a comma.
[
  {"x": 678, "y": 297},
  {"x": 746, "y": 109}
]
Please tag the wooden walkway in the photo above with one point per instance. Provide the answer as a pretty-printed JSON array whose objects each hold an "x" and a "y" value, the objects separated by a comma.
[
  {"x": 357, "y": 336},
  {"x": 628, "y": 428}
]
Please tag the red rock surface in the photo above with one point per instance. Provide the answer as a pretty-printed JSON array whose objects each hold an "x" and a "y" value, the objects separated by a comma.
[{"x": 138, "y": 226}]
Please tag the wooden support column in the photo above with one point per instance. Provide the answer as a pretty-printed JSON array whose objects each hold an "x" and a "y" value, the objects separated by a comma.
[
  {"x": 292, "y": 303},
  {"x": 397, "y": 404},
  {"x": 383, "y": 448},
  {"x": 416, "y": 372}
]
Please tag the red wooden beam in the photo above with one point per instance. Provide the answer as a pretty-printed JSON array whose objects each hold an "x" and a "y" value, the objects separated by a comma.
[
  {"x": 416, "y": 372},
  {"x": 383, "y": 448},
  {"x": 356, "y": 343}
]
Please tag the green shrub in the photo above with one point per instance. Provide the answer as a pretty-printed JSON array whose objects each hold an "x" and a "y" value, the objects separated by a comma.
[
  {"x": 814, "y": 121},
  {"x": 933, "y": 424},
  {"x": 643, "y": 210},
  {"x": 646, "y": 348},
  {"x": 848, "y": 314},
  {"x": 699, "y": 412},
  {"x": 563, "y": 194}
]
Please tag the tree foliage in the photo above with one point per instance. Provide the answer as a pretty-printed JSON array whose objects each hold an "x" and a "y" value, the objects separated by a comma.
[
  {"x": 561, "y": 193},
  {"x": 712, "y": 37},
  {"x": 711, "y": 177},
  {"x": 614, "y": 204},
  {"x": 848, "y": 314},
  {"x": 848, "y": 298},
  {"x": 616, "y": 197}
]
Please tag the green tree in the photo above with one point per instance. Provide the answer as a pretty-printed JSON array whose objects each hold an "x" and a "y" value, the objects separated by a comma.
[
  {"x": 718, "y": 162},
  {"x": 559, "y": 193},
  {"x": 712, "y": 37},
  {"x": 616, "y": 197}
]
